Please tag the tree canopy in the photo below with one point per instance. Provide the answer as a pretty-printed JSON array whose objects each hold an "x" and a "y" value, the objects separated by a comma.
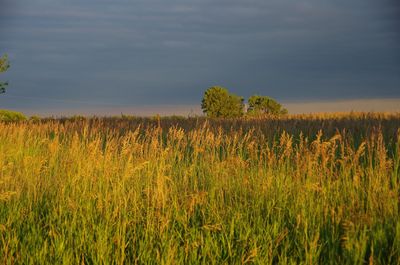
[
  {"x": 219, "y": 103},
  {"x": 4, "y": 65},
  {"x": 260, "y": 105}
]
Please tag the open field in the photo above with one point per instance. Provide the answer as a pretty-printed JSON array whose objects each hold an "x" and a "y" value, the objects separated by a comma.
[{"x": 315, "y": 189}]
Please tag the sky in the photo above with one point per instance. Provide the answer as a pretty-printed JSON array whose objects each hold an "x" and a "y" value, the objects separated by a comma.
[{"x": 121, "y": 54}]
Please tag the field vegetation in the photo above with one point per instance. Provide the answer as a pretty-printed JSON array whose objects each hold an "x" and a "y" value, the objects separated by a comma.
[
  {"x": 305, "y": 189},
  {"x": 8, "y": 115}
]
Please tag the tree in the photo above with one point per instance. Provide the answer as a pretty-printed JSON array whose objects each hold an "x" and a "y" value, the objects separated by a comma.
[
  {"x": 4, "y": 65},
  {"x": 219, "y": 103},
  {"x": 260, "y": 105}
]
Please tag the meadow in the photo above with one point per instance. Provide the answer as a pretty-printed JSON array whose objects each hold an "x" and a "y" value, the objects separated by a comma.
[{"x": 299, "y": 189}]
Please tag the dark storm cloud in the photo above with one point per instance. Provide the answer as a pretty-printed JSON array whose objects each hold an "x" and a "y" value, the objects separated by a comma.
[
  {"x": 392, "y": 16},
  {"x": 167, "y": 52}
]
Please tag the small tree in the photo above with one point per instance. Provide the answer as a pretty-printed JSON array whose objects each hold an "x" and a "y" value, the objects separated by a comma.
[
  {"x": 4, "y": 65},
  {"x": 219, "y": 103},
  {"x": 260, "y": 105}
]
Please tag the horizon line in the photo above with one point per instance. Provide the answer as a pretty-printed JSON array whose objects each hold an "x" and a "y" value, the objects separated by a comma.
[{"x": 293, "y": 106}]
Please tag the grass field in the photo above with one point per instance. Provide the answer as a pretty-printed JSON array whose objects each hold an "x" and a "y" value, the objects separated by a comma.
[{"x": 315, "y": 189}]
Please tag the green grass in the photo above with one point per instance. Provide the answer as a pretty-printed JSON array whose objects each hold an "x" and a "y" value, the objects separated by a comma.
[{"x": 148, "y": 191}]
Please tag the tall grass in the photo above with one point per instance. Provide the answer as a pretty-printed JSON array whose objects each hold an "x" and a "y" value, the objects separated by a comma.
[{"x": 103, "y": 191}]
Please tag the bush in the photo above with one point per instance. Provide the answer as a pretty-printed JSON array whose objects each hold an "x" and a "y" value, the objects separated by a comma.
[
  {"x": 262, "y": 105},
  {"x": 8, "y": 115},
  {"x": 35, "y": 118}
]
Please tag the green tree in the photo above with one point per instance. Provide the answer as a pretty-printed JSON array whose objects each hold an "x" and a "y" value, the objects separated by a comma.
[
  {"x": 261, "y": 105},
  {"x": 4, "y": 65},
  {"x": 219, "y": 103}
]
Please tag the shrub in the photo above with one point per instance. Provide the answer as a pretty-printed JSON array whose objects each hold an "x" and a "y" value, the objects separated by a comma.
[
  {"x": 260, "y": 105},
  {"x": 35, "y": 118},
  {"x": 8, "y": 115}
]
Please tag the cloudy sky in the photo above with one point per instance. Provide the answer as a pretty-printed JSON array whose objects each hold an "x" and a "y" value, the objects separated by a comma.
[{"x": 130, "y": 53}]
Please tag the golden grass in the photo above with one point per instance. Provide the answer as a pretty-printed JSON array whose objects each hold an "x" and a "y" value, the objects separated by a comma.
[{"x": 298, "y": 189}]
